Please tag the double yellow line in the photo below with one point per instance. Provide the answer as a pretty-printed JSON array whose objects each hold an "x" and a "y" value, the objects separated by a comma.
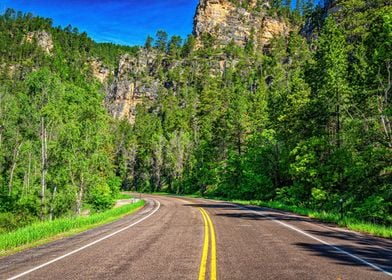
[{"x": 208, "y": 232}]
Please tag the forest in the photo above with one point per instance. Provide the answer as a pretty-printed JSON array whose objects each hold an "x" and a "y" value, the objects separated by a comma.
[{"x": 306, "y": 121}]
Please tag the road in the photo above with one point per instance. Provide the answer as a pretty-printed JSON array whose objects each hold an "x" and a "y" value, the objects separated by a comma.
[{"x": 181, "y": 238}]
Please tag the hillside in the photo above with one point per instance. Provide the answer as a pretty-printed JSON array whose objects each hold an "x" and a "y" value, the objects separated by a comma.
[{"x": 261, "y": 102}]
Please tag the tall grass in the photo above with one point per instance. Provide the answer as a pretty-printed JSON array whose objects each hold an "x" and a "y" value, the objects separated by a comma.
[{"x": 45, "y": 230}]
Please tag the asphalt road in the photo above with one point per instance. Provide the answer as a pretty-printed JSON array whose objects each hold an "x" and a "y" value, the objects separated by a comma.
[{"x": 178, "y": 238}]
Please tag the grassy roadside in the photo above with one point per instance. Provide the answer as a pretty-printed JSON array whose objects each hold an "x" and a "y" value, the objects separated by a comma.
[
  {"x": 123, "y": 195},
  {"x": 329, "y": 217},
  {"x": 323, "y": 216},
  {"x": 43, "y": 232}
]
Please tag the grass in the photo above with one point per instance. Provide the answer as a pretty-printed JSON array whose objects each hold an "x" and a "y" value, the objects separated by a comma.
[
  {"x": 351, "y": 223},
  {"x": 43, "y": 232},
  {"x": 123, "y": 196}
]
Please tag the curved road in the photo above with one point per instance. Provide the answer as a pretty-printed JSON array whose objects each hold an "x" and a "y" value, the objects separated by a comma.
[{"x": 181, "y": 238}]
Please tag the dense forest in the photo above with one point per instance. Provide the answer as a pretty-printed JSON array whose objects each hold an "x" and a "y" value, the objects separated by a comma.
[
  {"x": 56, "y": 143},
  {"x": 305, "y": 120}
]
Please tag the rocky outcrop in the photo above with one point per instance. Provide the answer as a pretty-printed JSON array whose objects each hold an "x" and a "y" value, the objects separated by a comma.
[
  {"x": 99, "y": 70},
  {"x": 133, "y": 85},
  {"x": 227, "y": 22},
  {"x": 42, "y": 38},
  {"x": 139, "y": 78}
]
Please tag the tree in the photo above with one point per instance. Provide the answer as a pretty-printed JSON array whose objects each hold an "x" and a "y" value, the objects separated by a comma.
[
  {"x": 174, "y": 46},
  {"x": 44, "y": 88},
  {"x": 332, "y": 59},
  {"x": 148, "y": 43},
  {"x": 161, "y": 40},
  {"x": 189, "y": 46}
]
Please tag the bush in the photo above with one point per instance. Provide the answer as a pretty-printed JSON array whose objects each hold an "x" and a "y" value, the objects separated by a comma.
[
  {"x": 64, "y": 201},
  {"x": 114, "y": 183},
  {"x": 29, "y": 205},
  {"x": 373, "y": 209},
  {"x": 101, "y": 198},
  {"x": 11, "y": 221},
  {"x": 8, "y": 222}
]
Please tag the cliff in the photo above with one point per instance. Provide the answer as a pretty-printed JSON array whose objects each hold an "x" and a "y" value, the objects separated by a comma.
[
  {"x": 42, "y": 38},
  {"x": 228, "y": 22},
  {"x": 99, "y": 70},
  {"x": 133, "y": 84},
  {"x": 137, "y": 79}
]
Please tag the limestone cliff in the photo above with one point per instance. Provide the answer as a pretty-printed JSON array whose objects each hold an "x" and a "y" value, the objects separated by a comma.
[
  {"x": 133, "y": 85},
  {"x": 99, "y": 70},
  {"x": 138, "y": 79},
  {"x": 42, "y": 38},
  {"x": 227, "y": 22}
]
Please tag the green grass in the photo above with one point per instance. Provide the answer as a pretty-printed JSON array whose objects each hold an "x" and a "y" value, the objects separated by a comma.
[
  {"x": 123, "y": 196},
  {"x": 330, "y": 217},
  {"x": 351, "y": 223},
  {"x": 42, "y": 232}
]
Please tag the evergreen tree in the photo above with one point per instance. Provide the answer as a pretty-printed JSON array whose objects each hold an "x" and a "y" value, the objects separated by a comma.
[{"x": 161, "y": 40}]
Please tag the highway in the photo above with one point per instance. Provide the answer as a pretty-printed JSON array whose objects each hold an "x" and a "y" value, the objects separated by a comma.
[{"x": 184, "y": 238}]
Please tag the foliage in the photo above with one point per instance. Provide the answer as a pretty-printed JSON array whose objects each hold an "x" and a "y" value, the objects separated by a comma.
[
  {"x": 101, "y": 198},
  {"x": 54, "y": 138},
  {"x": 49, "y": 229},
  {"x": 303, "y": 121}
]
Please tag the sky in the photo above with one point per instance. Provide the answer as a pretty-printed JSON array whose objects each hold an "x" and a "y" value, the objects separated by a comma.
[{"x": 126, "y": 22}]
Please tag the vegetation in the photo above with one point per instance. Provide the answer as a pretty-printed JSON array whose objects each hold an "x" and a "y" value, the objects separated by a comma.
[
  {"x": 305, "y": 121},
  {"x": 41, "y": 231},
  {"x": 340, "y": 219},
  {"x": 55, "y": 136}
]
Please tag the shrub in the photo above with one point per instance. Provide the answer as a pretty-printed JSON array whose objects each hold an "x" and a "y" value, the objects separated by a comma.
[{"x": 101, "y": 198}]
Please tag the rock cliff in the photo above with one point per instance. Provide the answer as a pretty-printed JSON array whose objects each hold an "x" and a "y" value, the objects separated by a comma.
[
  {"x": 42, "y": 38},
  {"x": 99, "y": 70},
  {"x": 133, "y": 84},
  {"x": 137, "y": 79},
  {"x": 228, "y": 22}
]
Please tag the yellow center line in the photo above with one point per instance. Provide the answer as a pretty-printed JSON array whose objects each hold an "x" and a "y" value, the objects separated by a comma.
[
  {"x": 213, "y": 247},
  {"x": 208, "y": 230},
  {"x": 203, "y": 264}
]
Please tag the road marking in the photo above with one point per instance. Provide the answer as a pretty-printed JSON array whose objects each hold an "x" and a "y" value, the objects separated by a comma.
[
  {"x": 88, "y": 245},
  {"x": 203, "y": 263},
  {"x": 208, "y": 231},
  {"x": 320, "y": 240},
  {"x": 213, "y": 247}
]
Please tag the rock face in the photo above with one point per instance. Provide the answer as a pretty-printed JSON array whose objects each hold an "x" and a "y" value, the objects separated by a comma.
[
  {"x": 137, "y": 79},
  {"x": 44, "y": 40},
  {"x": 226, "y": 22},
  {"x": 133, "y": 85},
  {"x": 99, "y": 70}
]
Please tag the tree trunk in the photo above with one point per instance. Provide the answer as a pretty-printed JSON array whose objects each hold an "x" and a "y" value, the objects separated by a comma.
[
  {"x": 51, "y": 205},
  {"x": 79, "y": 198},
  {"x": 338, "y": 126},
  {"x": 43, "y": 166},
  {"x": 28, "y": 174},
  {"x": 13, "y": 167},
  {"x": 383, "y": 105}
]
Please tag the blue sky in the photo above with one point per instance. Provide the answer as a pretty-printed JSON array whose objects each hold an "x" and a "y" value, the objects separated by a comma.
[{"x": 117, "y": 21}]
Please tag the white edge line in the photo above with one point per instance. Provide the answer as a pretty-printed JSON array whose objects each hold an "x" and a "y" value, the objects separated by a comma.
[
  {"x": 321, "y": 241},
  {"x": 85, "y": 246}
]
